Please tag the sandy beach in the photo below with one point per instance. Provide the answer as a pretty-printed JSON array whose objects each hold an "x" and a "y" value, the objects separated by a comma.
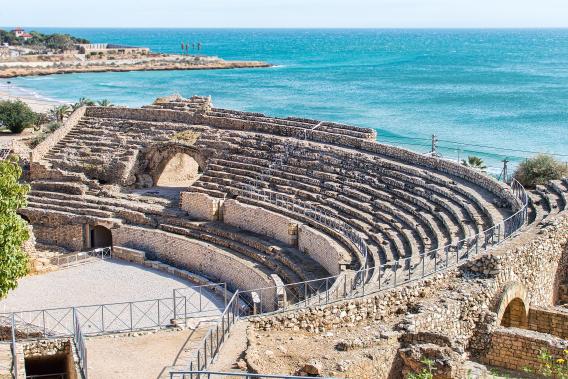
[{"x": 35, "y": 101}]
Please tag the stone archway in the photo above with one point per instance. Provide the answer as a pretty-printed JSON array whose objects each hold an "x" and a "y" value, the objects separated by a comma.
[
  {"x": 101, "y": 236},
  {"x": 171, "y": 165},
  {"x": 180, "y": 171},
  {"x": 513, "y": 308}
]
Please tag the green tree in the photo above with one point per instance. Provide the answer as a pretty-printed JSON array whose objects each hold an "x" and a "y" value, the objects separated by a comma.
[
  {"x": 60, "y": 112},
  {"x": 16, "y": 115},
  {"x": 13, "y": 229},
  {"x": 104, "y": 103},
  {"x": 539, "y": 170},
  {"x": 83, "y": 102},
  {"x": 474, "y": 162}
]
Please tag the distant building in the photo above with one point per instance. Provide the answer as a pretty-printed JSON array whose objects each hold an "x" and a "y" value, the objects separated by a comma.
[
  {"x": 107, "y": 48},
  {"x": 21, "y": 33}
]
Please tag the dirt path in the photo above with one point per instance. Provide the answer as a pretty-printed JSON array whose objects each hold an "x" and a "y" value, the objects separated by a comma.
[{"x": 148, "y": 356}]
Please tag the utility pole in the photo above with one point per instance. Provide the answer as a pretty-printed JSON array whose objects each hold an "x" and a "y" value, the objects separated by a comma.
[
  {"x": 505, "y": 170},
  {"x": 434, "y": 146}
]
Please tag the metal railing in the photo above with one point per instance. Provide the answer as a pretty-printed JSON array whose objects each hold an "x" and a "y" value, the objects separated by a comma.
[
  {"x": 378, "y": 278},
  {"x": 114, "y": 317},
  {"x": 232, "y": 375},
  {"x": 80, "y": 345},
  {"x": 215, "y": 337},
  {"x": 66, "y": 260}
]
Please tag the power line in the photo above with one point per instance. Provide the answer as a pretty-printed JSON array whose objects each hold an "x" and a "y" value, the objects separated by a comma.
[{"x": 398, "y": 138}]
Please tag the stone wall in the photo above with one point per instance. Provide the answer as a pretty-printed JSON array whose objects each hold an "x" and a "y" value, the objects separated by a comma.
[
  {"x": 549, "y": 321},
  {"x": 69, "y": 236},
  {"x": 196, "y": 256},
  {"x": 261, "y": 221},
  {"x": 321, "y": 248},
  {"x": 199, "y": 205},
  {"x": 40, "y": 150},
  {"x": 517, "y": 349},
  {"x": 468, "y": 312}
]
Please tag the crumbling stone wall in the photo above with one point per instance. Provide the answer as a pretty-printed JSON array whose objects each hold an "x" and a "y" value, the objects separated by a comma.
[
  {"x": 39, "y": 151},
  {"x": 69, "y": 236},
  {"x": 518, "y": 348},
  {"x": 550, "y": 321}
]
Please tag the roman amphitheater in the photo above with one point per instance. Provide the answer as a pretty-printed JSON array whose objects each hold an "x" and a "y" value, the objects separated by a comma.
[{"x": 317, "y": 250}]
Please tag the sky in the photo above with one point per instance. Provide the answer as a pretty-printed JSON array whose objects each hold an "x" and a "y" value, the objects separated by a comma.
[{"x": 286, "y": 13}]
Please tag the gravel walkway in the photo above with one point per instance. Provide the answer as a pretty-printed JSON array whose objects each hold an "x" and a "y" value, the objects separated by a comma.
[{"x": 99, "y": 282}]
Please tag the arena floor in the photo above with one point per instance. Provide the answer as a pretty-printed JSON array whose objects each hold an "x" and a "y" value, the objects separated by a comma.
[{"x": 98, "y": 282}]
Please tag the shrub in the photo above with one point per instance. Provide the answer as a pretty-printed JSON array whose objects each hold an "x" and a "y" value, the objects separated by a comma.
[
  {"x": 16, "y": 115},
  {"x": 52, "y": 126},
  {"x": 539, "y": 170},
  {"x": 550, "y": 366},
  {"x": 13, "y": 229},
  {"x": 38, "y": 138}
]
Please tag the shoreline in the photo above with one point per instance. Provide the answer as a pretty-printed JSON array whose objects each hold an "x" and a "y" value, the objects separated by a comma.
[{"x": 37, "y": 103}]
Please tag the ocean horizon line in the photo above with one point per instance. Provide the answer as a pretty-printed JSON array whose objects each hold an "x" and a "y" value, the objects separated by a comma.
[{"x": 346, "y": 28}]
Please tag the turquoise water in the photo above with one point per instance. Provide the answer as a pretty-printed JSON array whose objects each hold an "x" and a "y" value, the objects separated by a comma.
[{"x": 506, "y": 88}]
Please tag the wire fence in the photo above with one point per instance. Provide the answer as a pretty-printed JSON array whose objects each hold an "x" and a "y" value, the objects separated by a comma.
[
  {"x": 198, "y": 302},
  {"x": 67, "y": 260}
]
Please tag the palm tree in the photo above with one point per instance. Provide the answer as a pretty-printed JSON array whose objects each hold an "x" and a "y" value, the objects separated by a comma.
[
  {"x": 60, "y": 112},
  {"x": 83, "y": 102},
  {"x": 104, "y": 103},
  {"x": 474, "y": 162}
]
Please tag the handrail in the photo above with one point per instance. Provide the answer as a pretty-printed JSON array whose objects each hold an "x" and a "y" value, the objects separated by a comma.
[
  {"x": 212, "y": 374},
  {"x": 213, "y": 341},
  {"x": 80, "y": 344}
]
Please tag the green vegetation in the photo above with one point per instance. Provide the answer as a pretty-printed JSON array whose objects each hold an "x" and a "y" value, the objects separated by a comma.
[
  {"x": 188, "y": 137},
  {"x": 39, "y": 40},
  {"x": 474, "y": 162},
  {"x": 539, "y": 170},
  {"x": 426, "y": 373},
  {"x": 550, "y": 366},
  {"x": 104, "y": 103},
  {"x": 40, "y": 137},
  {"x": 13, "y": 229},
  {"x": 16, "y": 115},
  {"x": 60, "y": 112},
  {"x": 83, "y": 102}
]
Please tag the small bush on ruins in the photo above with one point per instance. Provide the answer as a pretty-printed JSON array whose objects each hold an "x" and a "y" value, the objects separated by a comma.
[
  {"x": 13, "y": 229},
  {"x": 426, "y": 373},
  {"x": 550, "y": 366},
  {"x": 189, "y": 136},
  {"x": 539, "y": 170},
  {"x": 16, "y": 115}
]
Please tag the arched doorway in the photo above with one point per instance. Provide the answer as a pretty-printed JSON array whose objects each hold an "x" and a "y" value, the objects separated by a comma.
[
  {"x": 181, "y": 170},
  {"x": 515, "y": 315},
  {"x": 100, "y": 237}
]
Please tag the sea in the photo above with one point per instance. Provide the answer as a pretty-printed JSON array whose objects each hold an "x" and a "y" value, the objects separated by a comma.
[{"x": 499, "y": 94}]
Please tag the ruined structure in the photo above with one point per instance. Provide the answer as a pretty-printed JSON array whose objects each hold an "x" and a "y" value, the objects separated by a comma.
[{"x": 263, "y": 204}]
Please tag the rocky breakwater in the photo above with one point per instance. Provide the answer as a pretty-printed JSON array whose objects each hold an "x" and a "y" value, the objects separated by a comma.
[{"x": 149, "y": 64}]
